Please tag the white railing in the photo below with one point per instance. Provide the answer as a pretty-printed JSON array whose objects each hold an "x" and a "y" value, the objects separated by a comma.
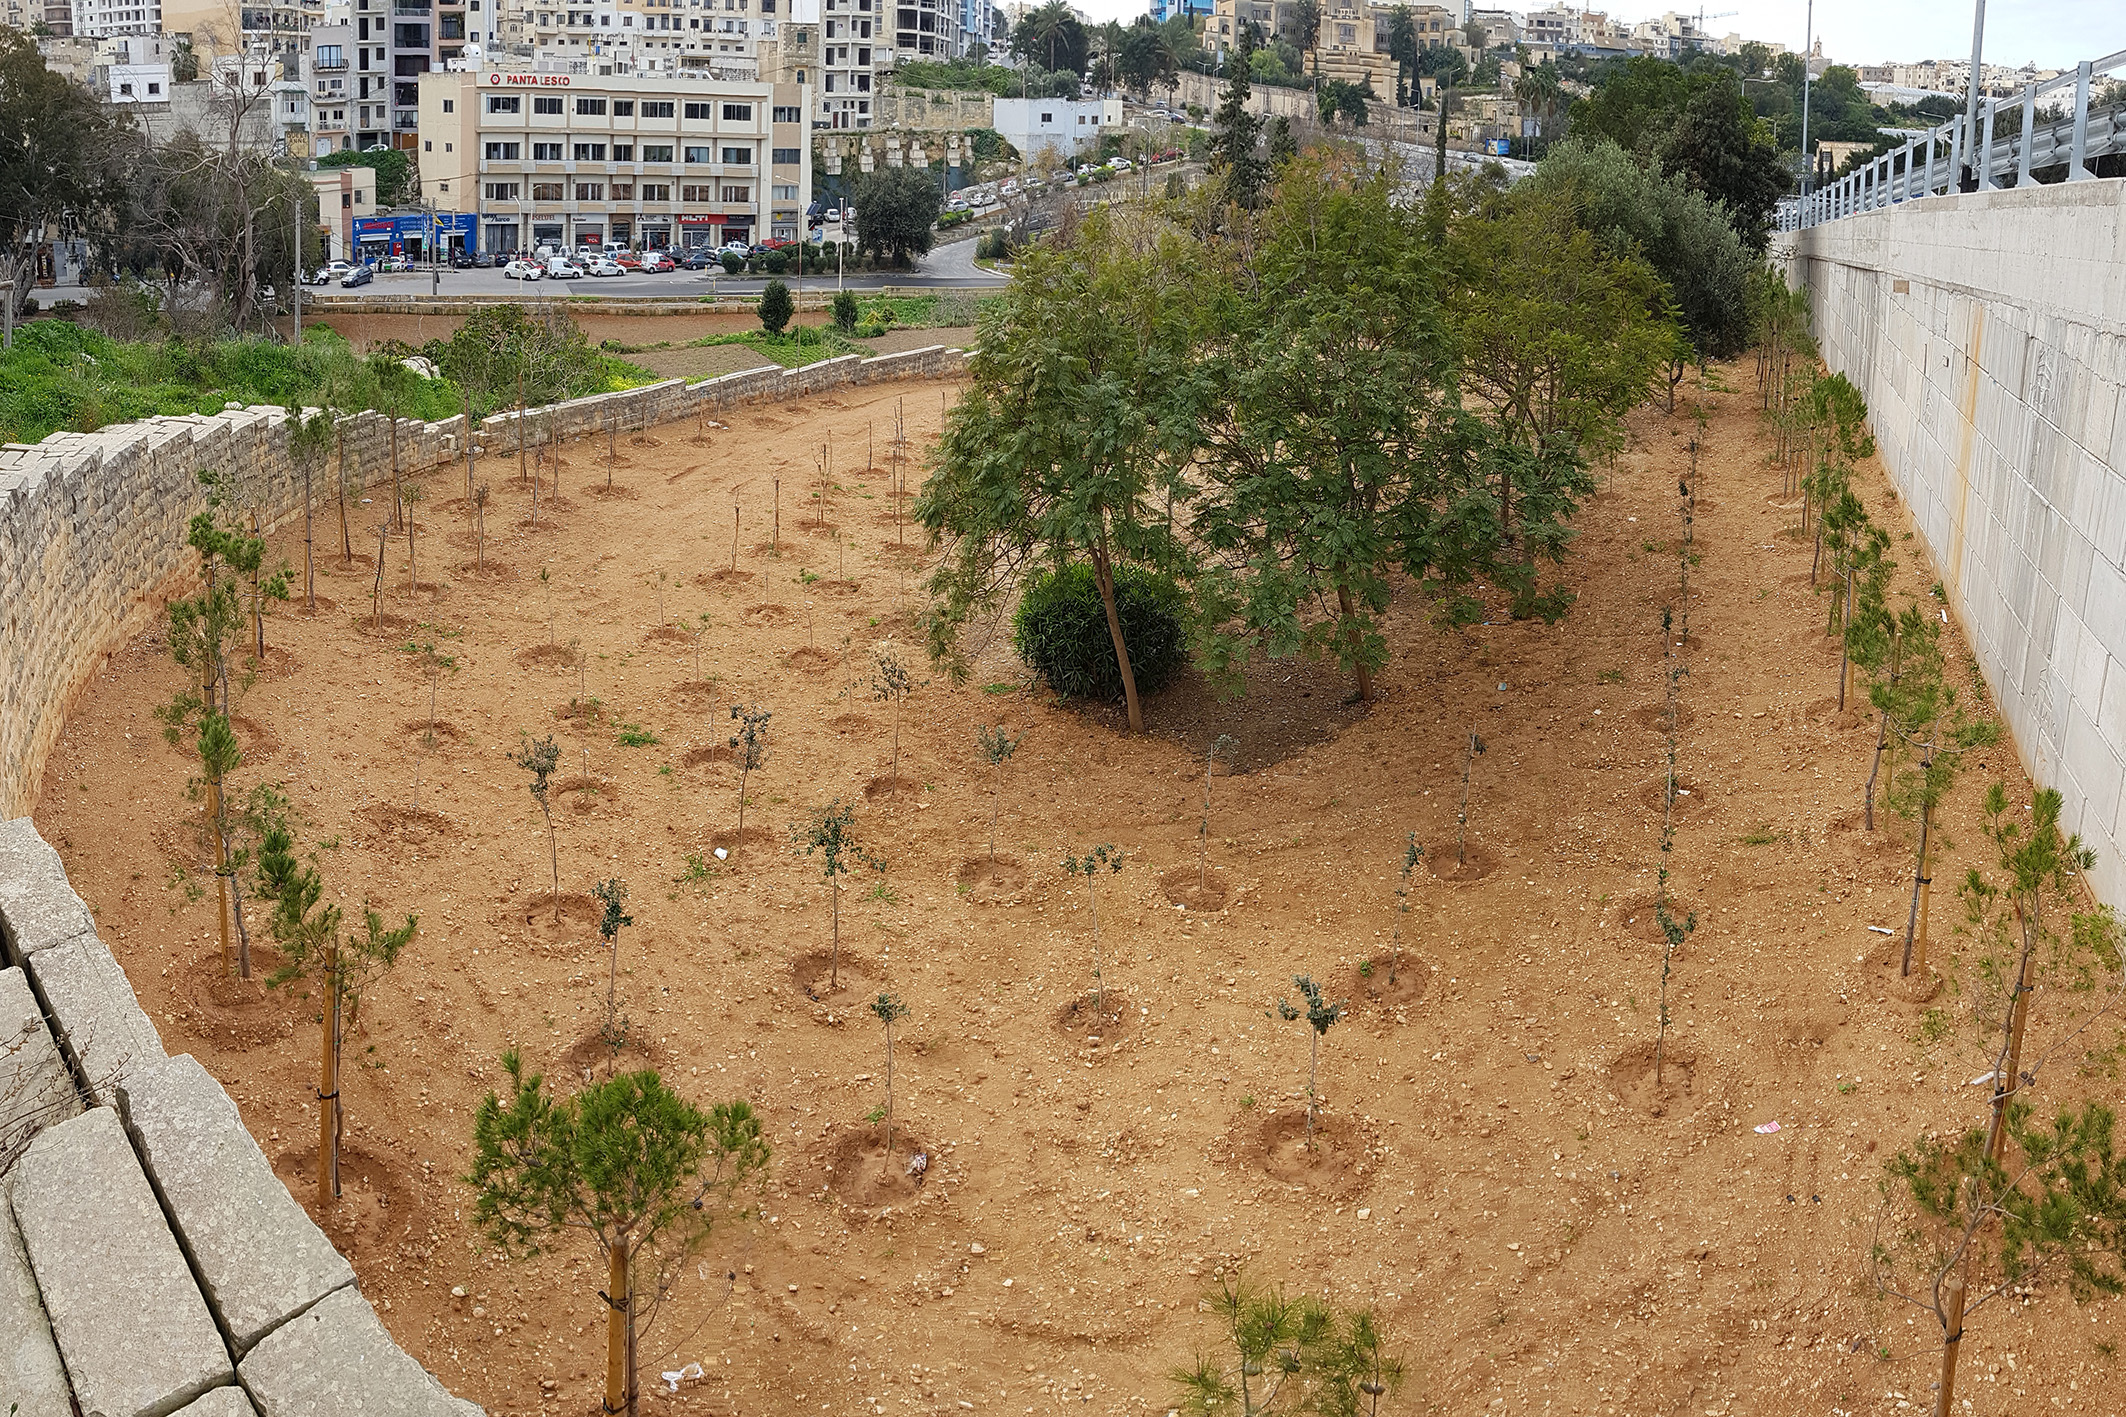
[{"x": 1954, "y": 158}]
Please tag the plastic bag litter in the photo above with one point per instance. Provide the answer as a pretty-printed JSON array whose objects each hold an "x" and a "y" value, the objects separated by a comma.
[
  {"x": 691, "y": 1370},
  {"x": 1768, "y": 1127}
]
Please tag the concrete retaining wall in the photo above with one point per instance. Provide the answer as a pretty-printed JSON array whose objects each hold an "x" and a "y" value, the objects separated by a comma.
[
  {"x": 92, "y": 525},
  {"x": 1988, "y": 333}
]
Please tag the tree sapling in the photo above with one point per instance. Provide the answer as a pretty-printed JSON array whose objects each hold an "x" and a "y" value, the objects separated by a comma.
[
  {"x": 1470, "y": 752},
  {"x": 997, "y": 748},
  {"x": 1089, "y": 866},
  {"x": 1321, "y": 1016},
  {"x": 611, "y": 894},
  {"x": 830, "y": 833},
  {"x": 890, "y": 1010},
  {"x": 540, "y": 758},
  {"x": 1412, "y": 854},
  {"x": 751, "y": 743},
  {"x": 890, "y": 684},
  {"x": 1223, "y": 743}
]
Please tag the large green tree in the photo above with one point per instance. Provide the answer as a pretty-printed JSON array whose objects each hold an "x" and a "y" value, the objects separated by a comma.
[
  {"x": 1057, "y": 451},
  {"x": 1718, "y": 145},
  {"x": 896, "y": 211},
  {"x": 1053, "y": 36},
  {"x": 1233, "y": 155}
]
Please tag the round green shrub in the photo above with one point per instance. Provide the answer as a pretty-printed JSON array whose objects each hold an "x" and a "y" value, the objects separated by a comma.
[{"x": 1060, "y": 630}]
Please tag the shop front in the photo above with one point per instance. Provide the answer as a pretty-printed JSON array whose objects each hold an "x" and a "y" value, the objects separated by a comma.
[
  {"x": 500, "y": 235},
  {"x": 698, "y": 231},
  {"x": 656, "y": 233},
  {"x": 415, "y": 236}
]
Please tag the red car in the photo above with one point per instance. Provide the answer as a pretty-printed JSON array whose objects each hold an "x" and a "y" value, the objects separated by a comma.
[
  {"x": 628, "y": 260},
  {"x": 657, "y": 262}
]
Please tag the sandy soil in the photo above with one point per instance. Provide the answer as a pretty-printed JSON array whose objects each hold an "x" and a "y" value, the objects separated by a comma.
[
  {"x": 366, "y": 331},
  {"x": 1539, "y": 1228}
]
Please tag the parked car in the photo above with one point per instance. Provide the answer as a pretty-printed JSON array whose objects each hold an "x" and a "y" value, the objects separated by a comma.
[
  {"x": 736, "y": 247},
  {"x": 360, "y": 275},
  {"x": 957, "y": 204},
  {"x": 1120, "y": 164},
  {"x": 700, "y": 258},
  {"x": 523, "y": 270},
  {"x": 604, "y": 266},
  {"x": 627, "y": 260},
  {"x": 390, "y": 265},
  {"x": 561, "y": 268},
  {"x": 657, "y": 262},
  {"x": 330, "y": 272}
]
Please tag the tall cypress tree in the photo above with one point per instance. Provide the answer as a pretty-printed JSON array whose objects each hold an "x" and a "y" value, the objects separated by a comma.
[{"x": 1233, "y": 146}]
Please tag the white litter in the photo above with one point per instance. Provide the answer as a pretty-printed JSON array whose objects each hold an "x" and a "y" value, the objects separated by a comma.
[
  {"x": 1983, "y": 1078},
  {"x": 673, "y": 1380},
  {"x": 721, "y": 853},
  {"x": 1768, "y": 1127},
  {"x": 1881, "y": 930}
]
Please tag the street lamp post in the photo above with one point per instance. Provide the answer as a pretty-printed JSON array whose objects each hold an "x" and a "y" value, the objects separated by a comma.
[{"x": 1808, "y": 169}]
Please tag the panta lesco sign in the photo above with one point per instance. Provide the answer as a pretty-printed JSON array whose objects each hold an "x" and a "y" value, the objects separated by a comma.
[{"x": 534, "y": 81}]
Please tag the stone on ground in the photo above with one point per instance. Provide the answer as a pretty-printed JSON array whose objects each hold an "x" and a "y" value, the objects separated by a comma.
[
  {"x": 38, "y": 908},
  {"x": 30, "y": 1371},
  {"x": 336, "y": 1360}
]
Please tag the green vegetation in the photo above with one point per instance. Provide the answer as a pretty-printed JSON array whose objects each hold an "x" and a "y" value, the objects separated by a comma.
[
  {"x": 1061, "y": 630},
  {"x": 1277, "y": 1354}
]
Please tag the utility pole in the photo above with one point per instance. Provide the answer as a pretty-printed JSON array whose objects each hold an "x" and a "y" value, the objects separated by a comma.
[
  {"x": 1808, "y": 168},
  {"x": 1971, "y": 138},
  {"x": 295, "y": 262}
]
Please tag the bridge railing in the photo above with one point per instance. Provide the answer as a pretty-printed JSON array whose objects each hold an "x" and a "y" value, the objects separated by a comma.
[{"x": 1963, "y": 156}]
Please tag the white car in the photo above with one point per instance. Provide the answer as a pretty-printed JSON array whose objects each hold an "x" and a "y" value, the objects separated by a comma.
[
  {"x": 523, "y": 270},
  {"x": 737, "y": 248},
  {"x": 1120, "y": 164},
  {"x": 561, "y": 268},
  {"x": 330, "y": 272},
  {"x": 602, "y": 266},
  {"x": 1009, "y": 189}
]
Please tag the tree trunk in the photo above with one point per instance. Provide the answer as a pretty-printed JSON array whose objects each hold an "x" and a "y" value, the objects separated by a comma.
[
  {"x": 397, "y": 500},
  {"x": 309, "y": 558},
  {"x": 339, "y": 432},
  {"x": 1104, "y": 576},
  {"x": 834, "y": 964},
  {"x": 1916, "y": 922},
  {"x": 619, "y": 1325},
  {"x": 328, "y": 1086},
  {"x": 1953, "y": 1291},
  {"x": 887, "y": 1165},
  {"x": 1358, "y": 663},
  {"x": 221, "y": 863},
  {"x": 553, "y": 849},
  {"x": 2009, "y": 1077}
]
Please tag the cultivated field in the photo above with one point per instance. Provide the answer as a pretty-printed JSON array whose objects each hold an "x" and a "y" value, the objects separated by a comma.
[{"x": 1540, "y": 1228}]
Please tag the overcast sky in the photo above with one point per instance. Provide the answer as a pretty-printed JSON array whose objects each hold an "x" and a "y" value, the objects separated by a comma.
[{"x": 2052, "y": 33}]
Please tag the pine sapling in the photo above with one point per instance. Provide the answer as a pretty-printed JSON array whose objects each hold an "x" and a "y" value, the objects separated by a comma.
[
  {"x": 1673, "y": 933},
  {"x": 480, "y": 497},
  {"x": 890, "y": 1010},
  {"x": 540, "y": 758},
  {"x": 1223, "y": 743},
  {"x": 830, "y": 834},
  {"x": 1470, "y": 751},
  {"x": 413, "y": 495},
  {"x": 1321, "y": 1016},
  {"x": 1412, "y": 854},
  {"x": 611, "y": 894},
  {"x": 997, "y": 748},
  {"x": 1089, "y": 866},
  {"x": 751, "y": 744}
]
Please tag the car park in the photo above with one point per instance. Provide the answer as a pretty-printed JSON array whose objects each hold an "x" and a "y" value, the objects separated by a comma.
[
  {"x": 360, "y": 275},
  {"x": 603, "y": 266},
  {"x": 627, "y": 260},
  {"x": 561, "y": 268},
  {"x": 699, "y": 259},
  {"x": 523, "y": 270}
]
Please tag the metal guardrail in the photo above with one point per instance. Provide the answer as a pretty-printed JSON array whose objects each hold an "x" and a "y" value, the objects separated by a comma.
[{"x": 1947, "y": 158}]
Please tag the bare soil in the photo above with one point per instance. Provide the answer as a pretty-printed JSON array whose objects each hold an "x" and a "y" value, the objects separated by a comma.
[{"x": 1541, "y": 1226}]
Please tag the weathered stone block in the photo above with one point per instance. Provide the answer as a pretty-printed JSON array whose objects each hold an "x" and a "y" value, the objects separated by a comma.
[
  {"x": 258, "y": 1257},
  {"x": 130, "y": 1323},
  {"x": 35, "y": 1088},
  {"x": 222, "y": 1402},
  {"x": 97, "y": 1020},
  {"x": 38, "y": 909},
  {"x": 30, "y": 1371},
  {"x": 336, "y": 1360}
]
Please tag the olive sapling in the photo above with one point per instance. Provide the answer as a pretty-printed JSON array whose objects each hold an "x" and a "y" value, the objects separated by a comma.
[
  {"x": 997, "y": 748},
  {"x": 1321, "y": 1016},
  {"x": 751, "y": 744},
  {"x": 890, "y": 684},
  {"x": 1089, "y": 866},
  {"x": 1223, "y": 743},
  {"x": 830, "y": 834},
  {"x": 890, "y": 1010},
  {"x": 1470, "y": 753},
  {"x": 540, "y": 758},
  {"x": 611, "y": 894}
]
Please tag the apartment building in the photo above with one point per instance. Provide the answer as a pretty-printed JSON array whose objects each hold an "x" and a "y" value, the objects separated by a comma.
[
  {"x": 99, "y": 19},
  {"x": 653, "y": 162},
  {"x": 855, "y": 51}
]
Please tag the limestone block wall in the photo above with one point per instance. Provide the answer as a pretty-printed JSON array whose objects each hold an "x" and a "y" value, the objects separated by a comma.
[
  {"x": 92, "y": 525},
  {"x": 1988, "y": 333}
]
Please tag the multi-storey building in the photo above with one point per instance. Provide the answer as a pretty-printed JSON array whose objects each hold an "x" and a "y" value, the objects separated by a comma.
[
  {"x": 332, "y": 86},
  {"x": 96, "y": 19},
  {"x": 1164, "y": 10},
  {"x": 657, "y": 162},
  {"x": 855, "y": 50}
]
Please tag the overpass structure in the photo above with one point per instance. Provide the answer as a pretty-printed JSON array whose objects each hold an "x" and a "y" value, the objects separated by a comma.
[{"x": 1981, "y": 308}]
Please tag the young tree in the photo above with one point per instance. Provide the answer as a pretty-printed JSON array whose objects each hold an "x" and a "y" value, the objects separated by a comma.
[
  {"x": 540, "y": 758},
  {"x": 1057, "y": 449},
  {"x": 890, "y": 684},
  {"x": 628, "y": 1162},
  {"x": 1473, "y": 749},
  {"x": 890, "y": 1010},
  {"x": 309, "y": 437},
  {"x": 997, "y": 747},
  {"x": 1223, "y": 743},
  {"x": 1933, "y": 722},
  {"x": 751, "y": 744},
  {"x": 611, "y": 894},
  {"x": 481, "y": 495},
  {"x": 1088, "y": 866},
  {"x": 830, "y": 833},
  {"x": 1277, "y": 1354},
  {"x": 341, "y": 965},
  {"x": 1235, "y": 131},
  {"x": 1412, "y": 854},
  {"x": 1321, "y": 1016},
  {"x": 775, "y": 308}
]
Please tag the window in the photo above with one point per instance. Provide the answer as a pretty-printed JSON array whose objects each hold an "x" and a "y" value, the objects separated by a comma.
[
  {"x": 786, "y": 191},
  {"x": 785, "y": 114},
  {"x": 450, "y": 105},
  {"x": 502, "y": 191},
  {"x": 546, "y": 103},
  {"x": 545, "y": 152},
  {"x": 702, "y": 111},
  {"x": 590, "y": 105},
  {"x": 507, "y": 152},
  {"x": 656, "y": 152},
  {"x": 738, "y": 157},
  {"x": 623, "y": 152},
  {"x": 789, "y": 157},
  {"x": 738, "y": 113},
  {"x": 688, "y": 192},
  {"x": 729, "y": 193},
  {"x": 331, "y": 56},
  {"x": 546, "y": 191},
  {"x": 657, "y": 108},
  {"x": 590, "y": 152},
  {"x": 590, "y": 191},
  {"x": 698, "y": 154},
  {"x": 623, "y": 191},
  {"x": 427, "y": 147},
  {"x": 656, "y": 191}
]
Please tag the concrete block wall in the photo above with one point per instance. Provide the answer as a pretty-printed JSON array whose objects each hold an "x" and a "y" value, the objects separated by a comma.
[
  {"x": 1988, "y": 333},
  {"x": 92, "y": 525}
]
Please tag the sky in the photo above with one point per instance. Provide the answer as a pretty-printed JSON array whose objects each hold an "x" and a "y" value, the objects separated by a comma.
[{"x": 2051, "y": 33}]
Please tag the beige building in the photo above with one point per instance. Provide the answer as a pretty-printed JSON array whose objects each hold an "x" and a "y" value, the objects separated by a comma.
[
  {"x": 343, "y": 194},
  {"x": 663, "y": 163},
  {"x": 1353, "y": 41}
]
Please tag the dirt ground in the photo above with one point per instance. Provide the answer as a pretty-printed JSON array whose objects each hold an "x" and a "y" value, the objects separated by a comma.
[{"x": 1540, "y": 1229}]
